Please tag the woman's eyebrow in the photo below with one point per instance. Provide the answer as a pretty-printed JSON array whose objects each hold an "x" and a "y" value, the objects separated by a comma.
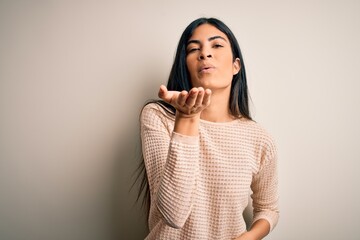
[
  {"x": 209, "y": 39},
  {"x": 216, "y": 37}
]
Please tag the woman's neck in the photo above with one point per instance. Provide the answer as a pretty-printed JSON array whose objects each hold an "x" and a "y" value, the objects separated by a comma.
[{"x": 218, "y": 110}]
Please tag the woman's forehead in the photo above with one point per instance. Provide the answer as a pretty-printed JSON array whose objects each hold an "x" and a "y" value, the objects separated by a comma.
[{"x": 207, "y": 31}]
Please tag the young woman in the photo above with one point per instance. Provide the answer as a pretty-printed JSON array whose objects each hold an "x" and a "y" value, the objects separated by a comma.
[{"x": 203, "y": 153}]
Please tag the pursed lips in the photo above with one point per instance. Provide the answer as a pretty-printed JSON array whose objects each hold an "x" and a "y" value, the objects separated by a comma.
[{"x": 206, "y": 68}]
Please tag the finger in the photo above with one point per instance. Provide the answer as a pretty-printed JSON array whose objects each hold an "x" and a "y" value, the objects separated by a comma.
[
  {"x": 200, "y": 97},
  {"x": 182, "y": 98},
  {"x": 163, "y": 94},
  {"x": 190, "y": 101},
  {"x": 207, "y": 97}
]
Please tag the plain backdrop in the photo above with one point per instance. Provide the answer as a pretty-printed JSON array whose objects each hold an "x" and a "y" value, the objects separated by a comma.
[{"x": 75, "y": 74}]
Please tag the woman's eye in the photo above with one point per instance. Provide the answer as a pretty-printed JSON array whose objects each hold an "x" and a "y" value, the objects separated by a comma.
[
  {"x": 193, "y": 49},
  {"x": 218, "y": 45}
]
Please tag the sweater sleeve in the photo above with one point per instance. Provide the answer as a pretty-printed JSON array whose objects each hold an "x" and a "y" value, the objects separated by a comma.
[
  {"x": 265, "y": 186},
  {"x": 171, "y": 162}
]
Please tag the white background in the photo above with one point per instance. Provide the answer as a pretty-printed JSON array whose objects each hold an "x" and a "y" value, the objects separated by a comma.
[{"x": 74, "y": 75}]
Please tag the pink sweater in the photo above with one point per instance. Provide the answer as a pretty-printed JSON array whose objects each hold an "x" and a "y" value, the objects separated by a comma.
[{"x": 200, "y": 185}]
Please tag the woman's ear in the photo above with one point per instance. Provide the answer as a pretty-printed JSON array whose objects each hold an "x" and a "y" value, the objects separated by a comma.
[{"x": 236, "y": 66}]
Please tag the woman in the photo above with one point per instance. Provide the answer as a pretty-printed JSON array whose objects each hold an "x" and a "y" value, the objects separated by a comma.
[{"x": 202, "y": 151}]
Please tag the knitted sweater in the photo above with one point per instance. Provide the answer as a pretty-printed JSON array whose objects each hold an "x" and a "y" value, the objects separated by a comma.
[{"x": 199, "y": 185}]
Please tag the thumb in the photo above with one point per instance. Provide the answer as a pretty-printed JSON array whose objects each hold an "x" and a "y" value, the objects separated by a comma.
[{"x": 164, "y": 94}]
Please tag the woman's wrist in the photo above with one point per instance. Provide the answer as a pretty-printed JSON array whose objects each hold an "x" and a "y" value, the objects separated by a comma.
[
  {"x": 246, "y": 236},
  {"x": 258, "y": 231},
  {"x": 187, "y": 124}
]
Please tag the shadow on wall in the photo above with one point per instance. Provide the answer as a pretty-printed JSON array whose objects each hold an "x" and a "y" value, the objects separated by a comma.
[
  {"x": 129, "y": 217},
  {"x": 248, "y": 214}
]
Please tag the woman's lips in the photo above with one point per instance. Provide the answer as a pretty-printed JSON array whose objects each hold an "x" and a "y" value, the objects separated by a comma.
[{"x": 207, "y": 69}]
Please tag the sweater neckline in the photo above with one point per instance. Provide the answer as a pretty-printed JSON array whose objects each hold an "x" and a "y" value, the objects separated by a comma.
[{"x": 220, "y": 123}]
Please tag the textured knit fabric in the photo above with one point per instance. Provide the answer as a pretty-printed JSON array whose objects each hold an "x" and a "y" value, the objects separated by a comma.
[{"x": 199, "y": 185}]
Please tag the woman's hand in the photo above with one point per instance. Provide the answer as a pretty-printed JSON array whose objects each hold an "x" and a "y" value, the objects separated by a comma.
[
  {"x": 188, "y": 104},
  {"x": 245, "y": 236},
  {"x": 258, "y": 231}
]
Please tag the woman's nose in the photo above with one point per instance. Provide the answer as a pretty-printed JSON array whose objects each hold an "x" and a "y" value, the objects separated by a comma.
[
  {"x": 203, "y": 56},
  {"x": 205, "y": 53}
]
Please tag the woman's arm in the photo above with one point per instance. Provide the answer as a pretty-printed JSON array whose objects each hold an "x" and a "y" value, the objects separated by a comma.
[
  {"x": 265, "y": 189},
  {"x": 171, "y": 159},
  {"x": 258, "y": 231},
  {"x": 265, "y": 195}
]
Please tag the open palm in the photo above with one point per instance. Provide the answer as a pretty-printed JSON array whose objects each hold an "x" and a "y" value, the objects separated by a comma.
[{"x": 188, "y": 103}]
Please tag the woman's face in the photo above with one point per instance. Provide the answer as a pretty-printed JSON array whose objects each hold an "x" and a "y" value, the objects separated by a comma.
[{"x": 209, "y": 59}]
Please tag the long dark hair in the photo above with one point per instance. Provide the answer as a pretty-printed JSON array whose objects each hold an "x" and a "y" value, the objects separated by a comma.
[{"x": 179, "y": 79}]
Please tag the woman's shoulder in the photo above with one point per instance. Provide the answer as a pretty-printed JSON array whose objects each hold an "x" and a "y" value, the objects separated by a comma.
[
  {"x": 157, "y": 109},
  {"x": 257, "y": 136},
  {"x": 257, "y": 131}
]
